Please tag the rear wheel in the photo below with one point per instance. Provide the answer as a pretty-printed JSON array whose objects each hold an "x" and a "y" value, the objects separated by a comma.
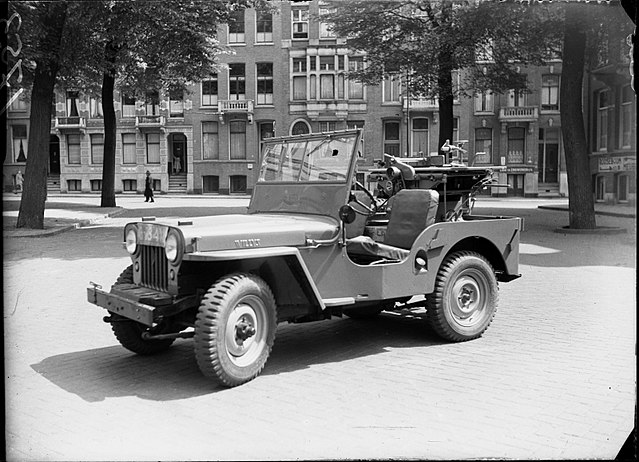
[
  {"x": 235, "y": 329},
  {"x": 464, "y": 301},
  {"x": 129, "y": 333}
]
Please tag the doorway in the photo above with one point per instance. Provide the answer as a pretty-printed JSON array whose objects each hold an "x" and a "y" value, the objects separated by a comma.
[
  {"x": 178, "y": 158},
  {"x": 54, "y": 155}
]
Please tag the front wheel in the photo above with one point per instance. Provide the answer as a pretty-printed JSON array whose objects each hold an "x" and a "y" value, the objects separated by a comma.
[
  {"x": 464, "y": 301},
  {"x": 235, "y": 329}
]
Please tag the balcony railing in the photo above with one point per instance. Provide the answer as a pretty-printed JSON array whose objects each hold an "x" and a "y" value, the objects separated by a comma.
[
  {"x": 519, "y": 114},
  {"x": 70, "y": 123},
  {"x": 231, "y": 105},
  {"x": 420, "y": 103},
  {"x": 149, "y": 121}
]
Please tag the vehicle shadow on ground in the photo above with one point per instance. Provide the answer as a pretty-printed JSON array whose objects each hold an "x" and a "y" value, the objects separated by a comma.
[{"x": 111, "y": 372}]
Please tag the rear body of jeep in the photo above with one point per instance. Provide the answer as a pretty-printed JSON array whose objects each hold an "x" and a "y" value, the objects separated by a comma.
[{"x": 228, "y": 280}]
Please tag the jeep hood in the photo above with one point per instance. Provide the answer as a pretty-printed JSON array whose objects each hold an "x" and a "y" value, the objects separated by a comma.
[{"x": 225, "y": 232}]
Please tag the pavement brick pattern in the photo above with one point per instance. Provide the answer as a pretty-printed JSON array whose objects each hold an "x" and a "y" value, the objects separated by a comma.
[{"x": 554, "y": 377}]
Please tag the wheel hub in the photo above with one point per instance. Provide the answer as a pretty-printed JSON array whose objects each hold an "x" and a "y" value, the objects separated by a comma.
[
  {"x": 244, "y": 329},
  {"x": 467, "y": 299}
]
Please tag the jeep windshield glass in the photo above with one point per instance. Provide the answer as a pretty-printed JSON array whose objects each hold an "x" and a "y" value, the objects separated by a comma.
[{"x": 321, "y": 159}]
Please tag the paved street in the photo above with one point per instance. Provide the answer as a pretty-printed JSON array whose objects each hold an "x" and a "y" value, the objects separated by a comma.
[{"x": 554, "y": 377}]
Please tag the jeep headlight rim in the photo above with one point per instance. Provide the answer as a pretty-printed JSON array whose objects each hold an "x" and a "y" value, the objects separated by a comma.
[
  {"x": 131, "y": 240},
  {"x": 173, "y": 248}
]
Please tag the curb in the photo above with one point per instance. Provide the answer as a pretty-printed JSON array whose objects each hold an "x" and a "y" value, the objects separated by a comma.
[
  {"x": 61, "y": 229},
  {"x": 597, "y": 212},
  {"x": 608, "y": 230}
]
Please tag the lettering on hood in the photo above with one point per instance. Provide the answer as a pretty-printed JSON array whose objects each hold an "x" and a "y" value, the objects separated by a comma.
[{"x": 247, "y": 242}]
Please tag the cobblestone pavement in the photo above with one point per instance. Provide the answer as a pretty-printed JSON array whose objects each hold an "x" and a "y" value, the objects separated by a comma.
[{"x": 554, "y": 377}]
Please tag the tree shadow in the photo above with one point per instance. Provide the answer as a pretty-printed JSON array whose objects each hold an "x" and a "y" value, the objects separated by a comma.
[{"x": 111, "y": 372}]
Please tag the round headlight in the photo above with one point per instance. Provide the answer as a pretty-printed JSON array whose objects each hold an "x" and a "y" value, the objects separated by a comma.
[
  {"x": 171, "y": 248},
  {"x": 131, "y": 241}
]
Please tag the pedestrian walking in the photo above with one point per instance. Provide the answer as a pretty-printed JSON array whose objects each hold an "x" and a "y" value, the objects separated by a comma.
[
  {"x": 148, "y": 187},
  {"x": 19, "y": 181}
]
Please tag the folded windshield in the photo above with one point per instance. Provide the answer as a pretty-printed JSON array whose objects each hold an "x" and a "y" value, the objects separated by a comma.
[{"x": 308, "y": 160}]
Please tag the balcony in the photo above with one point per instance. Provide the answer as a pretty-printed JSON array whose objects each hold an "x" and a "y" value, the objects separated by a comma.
[
  {"x": 235, "y": 106},
  {"x": 519, "y": 114},
  {"x": 70, "y": 124},
  {"x": 149, "y": 121}
]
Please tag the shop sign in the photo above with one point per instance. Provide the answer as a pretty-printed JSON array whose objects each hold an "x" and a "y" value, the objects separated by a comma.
[
  {"x": 519, "y": 170},
  {"x": 617, "y": 164}
]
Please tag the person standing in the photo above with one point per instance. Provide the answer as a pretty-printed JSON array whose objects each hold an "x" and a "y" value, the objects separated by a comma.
[
  {"x": 19, "y": 181},
  {"x": 148, "y": 187}
]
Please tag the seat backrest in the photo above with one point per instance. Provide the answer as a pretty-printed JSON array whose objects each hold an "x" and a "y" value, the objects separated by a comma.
[
  {"x": 413, "y": 211},
  {"x": 356, "y": 228}
]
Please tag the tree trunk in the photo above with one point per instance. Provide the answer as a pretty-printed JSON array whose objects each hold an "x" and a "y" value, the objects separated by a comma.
[
  {"x": 580, "y": 195},
  {"x": 34, "y": 195},
  {"x": 110, "y": 127}
]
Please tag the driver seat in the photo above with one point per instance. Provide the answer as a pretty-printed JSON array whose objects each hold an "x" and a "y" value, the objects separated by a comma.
[{"x": 413, "y": 210}]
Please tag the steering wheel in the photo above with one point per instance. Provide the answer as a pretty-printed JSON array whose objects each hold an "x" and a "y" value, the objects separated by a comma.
[{"x": 370, "y": 210}]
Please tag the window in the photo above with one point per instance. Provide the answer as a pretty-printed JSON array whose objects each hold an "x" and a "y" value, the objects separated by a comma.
[
  {"x": 327, "y": 126},
  {"x": 237, "y": 143},
  {"x": 74, "y": 185},
  {"x": 17, "y": 102},
  {"x": 391, "y": 138},
  {"x": 209, "y": 91},
  {"x": 392, "y": 88},
  {"x": 128, "y": 148},
  {"x": 352, "y": 125},
  {"x": 129, "y": 185},
  {"x": 484, "y": 102},
  {"x": 419, "y": 144},
  {"x": 152, "y": 103},
  {"x": 266, "y": 130},
  {"x": 97, "y": 149},
  {"x": 325, "y": 28},
  {"x": 128, "y": 106},
  {"x": 176, "y": 103},
  {"x": 210, "y": 184},
  {"x": 237, "y": 81},
  {"x": 95, "y": 108},
  {"x": 327, "y": 86},
  {"x": 626, "y": 117},
  {"x": 516, "y": 145},
  {"x": 603, "y": 103},
  {"x": 483, "y": 145},
  {"x": 210, "y": 141},
  {"x": 549, "y": 92},
  {"x": 72, "y": 104},
  {"x": 264, "y": 83},
  {"x": 153, "y": 148},
  {"x": 264, "y": 27},
  {"x": 20, "y": 143},
  {"x": 516, "y": 98},
  {"x": 355, "y": 88},
  {"x": 96, "y": 185},
  {"x": 327, "y": 63},
  {"x": 236, "y": 27},
  {"x": 73, "y": 148},
  {"x": 157, "y": 185},
  {"x": 299, "y": 81},
  {"x": 300, "y": 128},
  {"x": 238, "y": 184},
  {"x": 300, "y": 23},
  {"x": 455, "y": 129}
]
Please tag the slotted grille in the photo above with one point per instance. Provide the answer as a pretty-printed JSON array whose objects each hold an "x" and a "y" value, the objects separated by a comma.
[{"x": 154, "y": 267}]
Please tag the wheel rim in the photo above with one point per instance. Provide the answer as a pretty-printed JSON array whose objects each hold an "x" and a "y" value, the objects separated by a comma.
[
  {"x": 469, "y": 298},
  {"x": 246, "y": 330}
]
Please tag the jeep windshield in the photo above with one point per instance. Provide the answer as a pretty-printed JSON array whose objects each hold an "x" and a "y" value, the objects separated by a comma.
[{"x": 309, "y": 174}]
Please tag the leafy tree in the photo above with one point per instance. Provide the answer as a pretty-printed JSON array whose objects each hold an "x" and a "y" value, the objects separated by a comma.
[
  {"x": 133, "y": 43},
  {"x": 427, "y": 40}
]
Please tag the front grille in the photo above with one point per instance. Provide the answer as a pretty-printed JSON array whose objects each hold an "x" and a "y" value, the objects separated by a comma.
[{"x": 154, "y": 267}]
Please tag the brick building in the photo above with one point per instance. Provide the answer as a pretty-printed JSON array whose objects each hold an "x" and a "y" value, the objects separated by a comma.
[{"x": 288, "y": 74}]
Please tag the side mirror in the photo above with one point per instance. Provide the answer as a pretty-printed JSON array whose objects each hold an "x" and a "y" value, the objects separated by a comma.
[{"x": 347, "y": 214}]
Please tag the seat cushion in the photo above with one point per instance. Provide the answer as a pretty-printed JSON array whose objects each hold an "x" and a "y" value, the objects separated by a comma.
[
  {"x": 413, "y": 210},
  {"x": 365, "y": 246}
]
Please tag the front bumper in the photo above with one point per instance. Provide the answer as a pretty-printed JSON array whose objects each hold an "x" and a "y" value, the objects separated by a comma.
[{"x": 116, "y": 304}]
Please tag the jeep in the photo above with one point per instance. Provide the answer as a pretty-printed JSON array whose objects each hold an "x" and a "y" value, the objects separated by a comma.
[{"x": 314, "y": 243}]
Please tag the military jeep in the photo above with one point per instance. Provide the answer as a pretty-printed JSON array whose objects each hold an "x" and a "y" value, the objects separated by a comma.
[{"x": 314, "y": 244}]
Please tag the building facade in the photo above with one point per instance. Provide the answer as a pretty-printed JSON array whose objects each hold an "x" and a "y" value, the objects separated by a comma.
[{"x": 288, "y": 74}]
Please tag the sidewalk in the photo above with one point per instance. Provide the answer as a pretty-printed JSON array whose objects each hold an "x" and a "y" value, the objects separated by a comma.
[{"x": 64, "y": 212}]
